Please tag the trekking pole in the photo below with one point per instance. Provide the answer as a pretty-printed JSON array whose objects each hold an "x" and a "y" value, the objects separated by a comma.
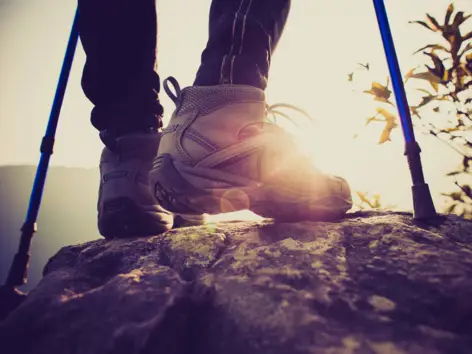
[
  {"x": 423, "y": 205},
  {"x": 10, "y": 297}
]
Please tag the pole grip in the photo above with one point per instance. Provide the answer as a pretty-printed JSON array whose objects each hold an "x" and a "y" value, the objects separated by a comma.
[
  {"x": 423, "y": 205},
  {"x": 412, "y": 153},
  {"x": 18, "y": 273}
]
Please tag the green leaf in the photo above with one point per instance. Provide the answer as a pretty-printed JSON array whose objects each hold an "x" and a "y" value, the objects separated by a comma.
[
  {"x": 439, "y": 69},
  {"x": 282, "y": 114},
  {"x": 433, "y": 47},
  {"x": 467, "y": 36},
  {"x": 467, "y": 190},
  {"x": 424, "y": 24},
  {"x": 380, "y": 92},
  {"x": 449, "y": 12},
  {"x": 465, "y": 50},
  {"x": 414, "y": 111},
  {"x": 456, "y": 196},
  {"x": 433, "y": 23},
  {"x": 468, "y": 66},
  {"x": 463, "y": 72},
  {"x": 372, "y": 119},
  {"x": 451, "y": 208},
  {"x": 450, "y": 130},
  {"x": 409, "y": 74},
  {"x": 466, "y": 162},
  {"x": 425, "y": 91},
  {"x": 364, "y": 199},
  {"x": 390, "y": 124},
  {"x": 459, "y": 19},
  {"x": 428, "y": 76},
  {"x": 425, "y": 100}
]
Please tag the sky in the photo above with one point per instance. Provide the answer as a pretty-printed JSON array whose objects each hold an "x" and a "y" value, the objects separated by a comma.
[{"x": 322, "y": 43}]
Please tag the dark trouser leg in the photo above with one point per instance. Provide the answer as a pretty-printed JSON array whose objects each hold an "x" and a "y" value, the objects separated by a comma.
[
  {"x": 120, "y": 40},
  {"x": 243, "y": 36}
]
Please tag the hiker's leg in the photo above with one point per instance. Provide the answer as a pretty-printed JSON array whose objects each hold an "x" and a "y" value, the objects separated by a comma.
[
  {"x": 120, "y": 40},
  {"x": 120, "y": 79},
  {"x": 242, "y": 37}
]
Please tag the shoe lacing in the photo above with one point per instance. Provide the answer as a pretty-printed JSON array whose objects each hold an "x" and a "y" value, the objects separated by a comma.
[
  {"x": 272, "y": 111},
  {"x": 174, "y": 97},
  {"x": 300, "y": 159}
]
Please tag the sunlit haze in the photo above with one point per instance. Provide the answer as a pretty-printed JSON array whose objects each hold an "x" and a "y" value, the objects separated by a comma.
[{"x": 322, "y": 43}]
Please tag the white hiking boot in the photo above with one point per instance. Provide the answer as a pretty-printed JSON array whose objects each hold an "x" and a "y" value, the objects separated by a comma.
[
  {"x": 126, "y": 204},
  {"x": 220, "y": 154}
]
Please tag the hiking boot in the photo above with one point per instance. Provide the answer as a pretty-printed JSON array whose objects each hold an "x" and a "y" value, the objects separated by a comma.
[
  {"x": 126, "y": 204},
  {"x": 221, "y": 154}
]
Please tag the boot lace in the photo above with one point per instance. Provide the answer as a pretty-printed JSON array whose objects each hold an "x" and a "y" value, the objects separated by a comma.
[{"x": 272, "y": 111}]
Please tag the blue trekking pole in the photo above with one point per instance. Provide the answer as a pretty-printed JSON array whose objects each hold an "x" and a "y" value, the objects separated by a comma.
[
  {"x": 10, "y": 297},
  {"x": 423, "y": 205}
]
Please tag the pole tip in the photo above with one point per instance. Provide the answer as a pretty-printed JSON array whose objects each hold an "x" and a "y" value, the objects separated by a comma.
[
  {"x": 10, "y": 299},
  {"x": 423, "y": 205}
]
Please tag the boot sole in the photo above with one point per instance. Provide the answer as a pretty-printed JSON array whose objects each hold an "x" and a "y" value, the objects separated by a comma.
[
  {"x": 182, "y": 220},
  {"x": 122, "y": 218},
  {"x": 175, "y": 187}
]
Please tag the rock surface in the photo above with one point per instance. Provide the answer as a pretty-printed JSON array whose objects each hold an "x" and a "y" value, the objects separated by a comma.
[{"x": 372, "y": 283}]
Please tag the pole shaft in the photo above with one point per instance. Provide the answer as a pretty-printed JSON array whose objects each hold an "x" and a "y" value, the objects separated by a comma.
[
  {"x": 19, "y": 268},
  {"x": 423, "y": 206},
  {"x": 48, "y": 139},
  {"x": 395, "y": 72}
]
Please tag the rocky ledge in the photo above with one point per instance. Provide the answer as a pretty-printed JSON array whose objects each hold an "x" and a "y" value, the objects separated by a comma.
[{"x": 371, "y": 283}]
